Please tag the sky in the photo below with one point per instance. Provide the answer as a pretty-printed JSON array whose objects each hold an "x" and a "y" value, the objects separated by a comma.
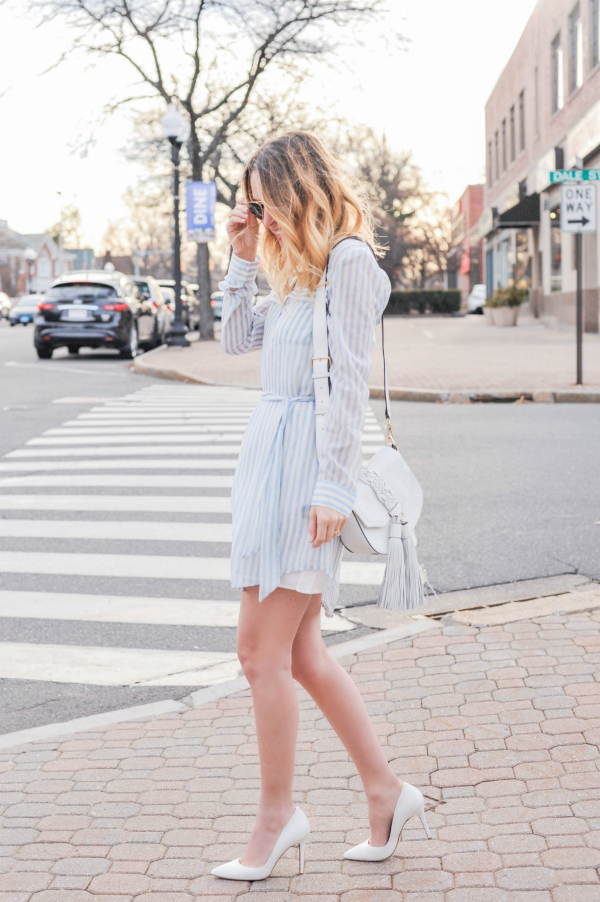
[{"x": 428, "y": 97}]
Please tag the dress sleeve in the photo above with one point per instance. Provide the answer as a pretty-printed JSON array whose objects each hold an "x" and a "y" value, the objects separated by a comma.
[
  {"x": 356, "y": 297},
  {"x": 242, "y": 322}
]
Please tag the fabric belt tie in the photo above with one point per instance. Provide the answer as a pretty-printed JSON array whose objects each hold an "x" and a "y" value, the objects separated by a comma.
[{"x": 267, "y": 534}]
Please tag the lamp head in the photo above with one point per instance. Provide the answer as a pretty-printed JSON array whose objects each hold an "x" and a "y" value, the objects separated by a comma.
[
  {"x": 29, "y": 254},
  {"x": 174, "y": 124}
]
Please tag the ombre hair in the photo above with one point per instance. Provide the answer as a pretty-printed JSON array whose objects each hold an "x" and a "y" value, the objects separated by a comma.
[{"x": 315, "y": 206}]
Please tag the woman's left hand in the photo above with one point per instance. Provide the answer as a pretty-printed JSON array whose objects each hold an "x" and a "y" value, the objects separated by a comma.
[{"x": 324, "y": 524}]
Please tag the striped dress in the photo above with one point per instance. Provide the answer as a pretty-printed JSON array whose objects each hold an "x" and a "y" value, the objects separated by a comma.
[{"x": 278, "y": 477}]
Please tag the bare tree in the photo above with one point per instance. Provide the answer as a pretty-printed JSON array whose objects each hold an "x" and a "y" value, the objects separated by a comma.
[
  {"x": 412, "y": 220},
  {"x": 208, "y": 56},
  {"x": 70, "y": 226}
]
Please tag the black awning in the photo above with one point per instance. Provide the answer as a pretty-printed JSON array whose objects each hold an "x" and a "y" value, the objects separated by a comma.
[{"x": 526, "y": 213}]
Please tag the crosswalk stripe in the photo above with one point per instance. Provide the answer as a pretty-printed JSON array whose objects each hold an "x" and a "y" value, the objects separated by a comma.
[
  {"x": 155, "y": 439},
  {"x": 133, "y": 609},
  {"x": 196, "y": 504},
  {"x": 132, "y": 480},
  {"x": 127, "y": 530},
  {"x": 146, "y": 450},
  {"x": 138, "y": 566},
  {"x": 153, "y": 429},
  {"x": 101, "y": 666},
  {"x": 97, "y": 464},
  {"x": 126, "y": 451},
  {"x": 149, "y": 430}
]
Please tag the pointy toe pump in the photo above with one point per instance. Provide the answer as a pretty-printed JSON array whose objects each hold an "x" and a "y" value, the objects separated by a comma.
[
  {"x": 295, "y": 833},
  {"x": 409, "y": 803}
]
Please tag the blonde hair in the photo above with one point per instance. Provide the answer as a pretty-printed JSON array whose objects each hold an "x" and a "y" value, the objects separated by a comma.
[{"x": 315, "y": 206}]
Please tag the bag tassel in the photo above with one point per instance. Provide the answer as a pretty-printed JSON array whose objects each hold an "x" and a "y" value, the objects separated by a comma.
[{"x": 402, "y": 586}]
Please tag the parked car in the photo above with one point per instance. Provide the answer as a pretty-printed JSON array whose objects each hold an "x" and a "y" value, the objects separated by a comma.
[
  {"x": 151, "y": 293},
  {"x": 191, "y": 304},
  {"x": 94, "y": 309},
  {"x": 477, "y": 299},
  {"x": 24, "y": 309},
  {"x": 5, "y": 305},
  {"x": 216, "y": 302}
]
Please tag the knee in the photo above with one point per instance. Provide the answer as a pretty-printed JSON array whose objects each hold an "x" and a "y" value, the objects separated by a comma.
[{"x": 260, "y": 664}]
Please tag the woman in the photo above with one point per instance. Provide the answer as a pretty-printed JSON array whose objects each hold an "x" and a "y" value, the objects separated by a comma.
[{"x": 288, "y": 508}]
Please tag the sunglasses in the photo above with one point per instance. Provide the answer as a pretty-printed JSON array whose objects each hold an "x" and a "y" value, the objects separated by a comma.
[{"x": 257, "y": 209}]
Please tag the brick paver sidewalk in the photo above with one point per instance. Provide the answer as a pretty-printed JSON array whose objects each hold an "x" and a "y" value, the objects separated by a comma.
[
  {"x": 435, "y": 353},
  {"x": 499, "y": 726}
]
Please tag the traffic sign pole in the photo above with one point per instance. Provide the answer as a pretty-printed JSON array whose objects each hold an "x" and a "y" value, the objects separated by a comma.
[
  {"x": 578, "y": 215},
  {"x": 579, "y": 268}
]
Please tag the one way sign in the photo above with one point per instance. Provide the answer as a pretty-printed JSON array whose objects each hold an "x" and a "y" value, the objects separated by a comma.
[{"x": 578, "y": 207}]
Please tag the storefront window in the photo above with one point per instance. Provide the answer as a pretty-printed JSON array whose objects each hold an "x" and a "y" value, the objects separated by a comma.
[
  {"x": 504, "y": 268},
  {"x": 555, "y": 251},
  {"x": 523, "y": 266}
]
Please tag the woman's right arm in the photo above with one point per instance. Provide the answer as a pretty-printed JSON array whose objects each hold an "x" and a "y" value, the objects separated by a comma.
[{"x": 242, "y": 322}]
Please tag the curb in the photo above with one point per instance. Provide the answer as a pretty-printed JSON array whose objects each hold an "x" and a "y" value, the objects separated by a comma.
[
  {"x": 427, "y": 395},
  {"x": 201, "y": 696}
]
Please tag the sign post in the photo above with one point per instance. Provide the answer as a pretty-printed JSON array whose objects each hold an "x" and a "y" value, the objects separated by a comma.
[{"x": 578, "y": 215}]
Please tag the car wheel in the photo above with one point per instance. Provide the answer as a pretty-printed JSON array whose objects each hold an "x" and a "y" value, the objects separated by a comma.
[
  {"x": 131, "y": 348},
  {"x": 44, "y": 353},
  {"x": 74, "y": 351}
]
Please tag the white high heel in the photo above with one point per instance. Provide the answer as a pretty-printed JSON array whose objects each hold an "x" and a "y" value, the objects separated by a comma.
[
  {"x": 409, "y": 803},
  {"x": 295, "y": 833}
]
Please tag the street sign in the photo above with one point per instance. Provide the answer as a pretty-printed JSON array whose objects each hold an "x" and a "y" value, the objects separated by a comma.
[
  {"x": 578, "y": 208},
  {"x": 575, "y": 175},
  {"x": 200, "y": 201}
]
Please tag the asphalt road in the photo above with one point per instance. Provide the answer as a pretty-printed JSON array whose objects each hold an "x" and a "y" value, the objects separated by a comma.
[{"x": 105, "y": 597}]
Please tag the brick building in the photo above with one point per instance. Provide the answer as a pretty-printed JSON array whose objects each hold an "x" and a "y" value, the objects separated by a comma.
[
  {"x": 543, "y": 113},
  {"x": 29, "y": 263},
  {"x": 464, "y": 257}
]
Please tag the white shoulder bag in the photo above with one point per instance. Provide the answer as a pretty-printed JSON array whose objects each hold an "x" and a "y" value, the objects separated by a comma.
[{"x": 389, "y": 497}]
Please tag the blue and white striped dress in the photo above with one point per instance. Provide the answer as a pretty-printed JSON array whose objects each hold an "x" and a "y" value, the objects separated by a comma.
[{"x": 278, "y": 477}]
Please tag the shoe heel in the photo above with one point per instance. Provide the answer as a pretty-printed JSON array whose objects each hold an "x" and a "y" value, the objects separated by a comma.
[
  {"x": 421, "y": 813},
  {"x": 302, "y": 844}
]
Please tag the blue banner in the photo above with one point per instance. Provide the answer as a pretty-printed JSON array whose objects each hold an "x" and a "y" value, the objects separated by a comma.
[{"x": 201, "y": 198}]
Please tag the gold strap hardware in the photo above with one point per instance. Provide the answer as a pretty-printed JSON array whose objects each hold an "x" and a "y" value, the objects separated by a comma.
[
  {"x": 390, "y": 437},
  {"x": 321, "y": 358}
]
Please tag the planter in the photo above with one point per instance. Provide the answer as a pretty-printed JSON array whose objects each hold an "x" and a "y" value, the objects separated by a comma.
[
  {"x": 505, "y": 316},
  {"x": 487, "y": 312}
]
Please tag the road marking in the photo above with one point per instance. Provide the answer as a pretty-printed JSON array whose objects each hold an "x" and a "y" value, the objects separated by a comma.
[
  {"x": 154, "y": 439},
  {"x": 125, "y": 464},
  {"x": 73, "y": 400},
  {"x": 142, "y": 450},
  {"x": 126, "y": 451},
  {"x": 128, "y": 530},
  {"x": 124, "y": 609},
  {"x": 195, "y": 504},
  {"x": 139, "y": 566},
  {"x": 147, "y": 431},
  {"x": 132, "y": 480},
  {"x": 99, "y": 666}
]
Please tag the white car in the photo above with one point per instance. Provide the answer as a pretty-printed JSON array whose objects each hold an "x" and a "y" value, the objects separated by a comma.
[
  {"x": 5, "y": 305},
  {"x": 477, "y": 299}
]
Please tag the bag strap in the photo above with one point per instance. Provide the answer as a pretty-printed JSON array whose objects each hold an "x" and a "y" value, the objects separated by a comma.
[{"x": 321, "y": 361}]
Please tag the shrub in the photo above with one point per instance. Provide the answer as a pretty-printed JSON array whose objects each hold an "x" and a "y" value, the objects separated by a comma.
[{"x": 439, "y": 301}]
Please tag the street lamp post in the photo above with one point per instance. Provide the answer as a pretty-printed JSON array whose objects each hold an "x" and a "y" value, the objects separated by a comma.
[{"x": 177, "y": 131}]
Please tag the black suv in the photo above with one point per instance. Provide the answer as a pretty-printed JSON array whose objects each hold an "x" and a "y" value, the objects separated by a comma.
[{"x": 94, "y": 309}]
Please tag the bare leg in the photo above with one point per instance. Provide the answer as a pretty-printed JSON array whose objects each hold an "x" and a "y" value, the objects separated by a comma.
[
  {"x": 266, "y": 631},
  {"x": 340, "y": 701}
]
